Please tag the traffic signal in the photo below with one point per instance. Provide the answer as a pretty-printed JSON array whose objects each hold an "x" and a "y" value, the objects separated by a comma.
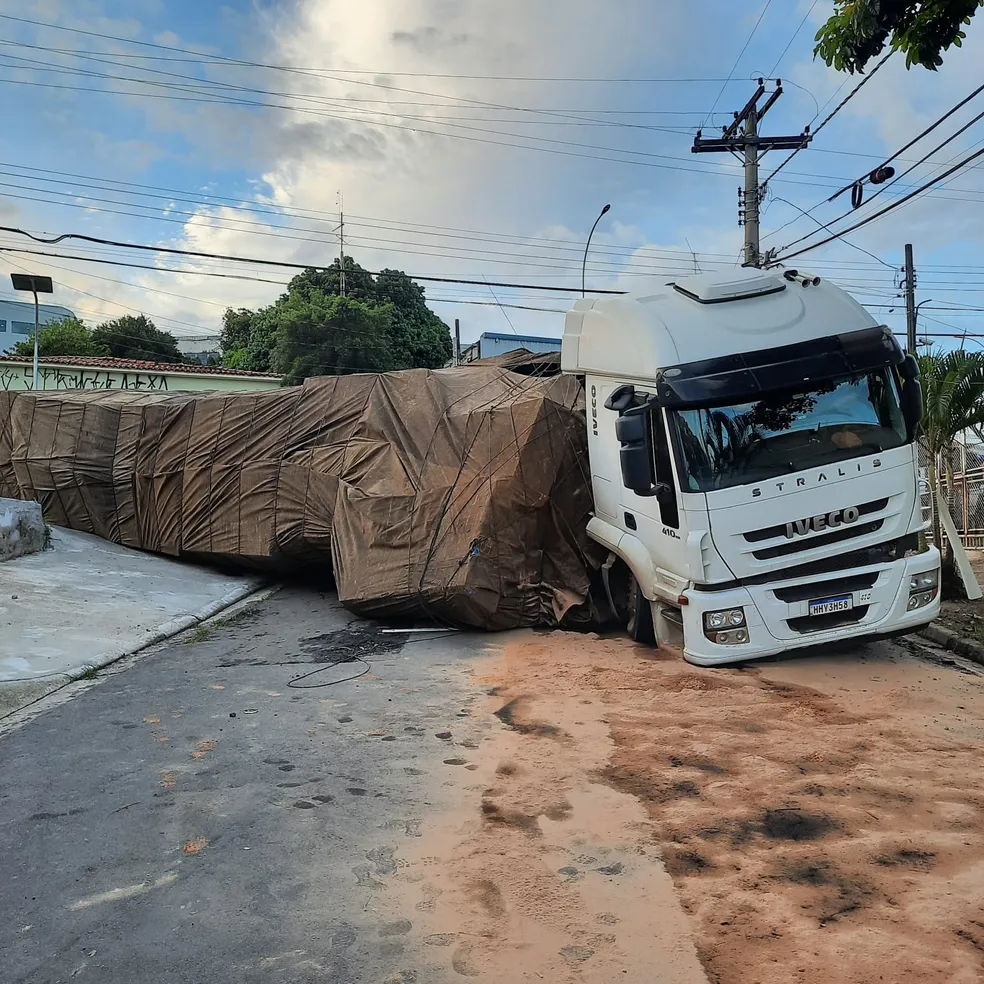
[{"x": 881, "y": 174}]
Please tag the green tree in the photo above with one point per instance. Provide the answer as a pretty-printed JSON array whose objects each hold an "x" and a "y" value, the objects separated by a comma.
[
  {"x": 66, "y": 336},
  {"x": 420, "y": 337},
  {"x": 322, "y": 335},
  {"x": 248, "y": 338},
  {"x": 859, "y": 30},
  {"x": 412, "y": 335},
  {"x": 136, "y": 337},
  {"x": 236, "y": 326},
  {"x": 359, "y": 284},
  {"x": 953, "y": 403}
]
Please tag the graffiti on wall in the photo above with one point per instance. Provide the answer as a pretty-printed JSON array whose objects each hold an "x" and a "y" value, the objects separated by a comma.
[{"x": 49, "y": 377}]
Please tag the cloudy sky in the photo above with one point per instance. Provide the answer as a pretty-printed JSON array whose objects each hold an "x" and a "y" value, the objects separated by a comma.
[{"x": 467, "y": 140}]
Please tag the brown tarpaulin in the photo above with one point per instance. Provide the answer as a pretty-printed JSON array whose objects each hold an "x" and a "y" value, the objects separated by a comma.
[{"x": 460, "y": 494}]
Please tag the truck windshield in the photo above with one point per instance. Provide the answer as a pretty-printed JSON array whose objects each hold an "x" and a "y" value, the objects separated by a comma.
[{"x": 841, "y": 418}]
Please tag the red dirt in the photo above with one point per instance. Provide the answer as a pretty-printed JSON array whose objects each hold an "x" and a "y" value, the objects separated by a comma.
[
  {"x": 821, "y": 820},
  {"x": 821, "y": 817}
]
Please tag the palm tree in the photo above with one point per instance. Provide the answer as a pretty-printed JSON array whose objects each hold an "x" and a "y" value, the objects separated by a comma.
[{"x": 953, "y": 403}]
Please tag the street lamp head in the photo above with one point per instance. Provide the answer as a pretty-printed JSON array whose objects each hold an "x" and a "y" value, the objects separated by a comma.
[
  {"x": 606, "y": 208},
  {"x": 36, "y": 285}
]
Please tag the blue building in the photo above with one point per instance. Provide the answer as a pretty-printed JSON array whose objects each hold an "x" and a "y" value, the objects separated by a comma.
[
  {"x": 17, "y": 321},
  {"x": 492, "y": 343}
]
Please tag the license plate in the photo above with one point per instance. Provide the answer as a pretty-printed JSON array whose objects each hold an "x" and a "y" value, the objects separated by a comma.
[{"x": 824, "y": 606}]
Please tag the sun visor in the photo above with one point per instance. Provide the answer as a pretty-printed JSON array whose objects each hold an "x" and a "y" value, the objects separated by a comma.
[{"x": 744, "y": 376}]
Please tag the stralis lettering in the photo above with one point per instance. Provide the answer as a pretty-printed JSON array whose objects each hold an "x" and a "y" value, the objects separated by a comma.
[
  {"x": 830, "y": 474},
  {"x": 817, "y": 524}
]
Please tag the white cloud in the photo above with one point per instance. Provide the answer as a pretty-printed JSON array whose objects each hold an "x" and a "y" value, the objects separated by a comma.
[
  {"x": 420, "y": 200},
  {"x": 416, "y": 181}
]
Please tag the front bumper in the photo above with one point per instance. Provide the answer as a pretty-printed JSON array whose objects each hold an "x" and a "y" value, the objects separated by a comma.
[{"x": 777, "y": 626}]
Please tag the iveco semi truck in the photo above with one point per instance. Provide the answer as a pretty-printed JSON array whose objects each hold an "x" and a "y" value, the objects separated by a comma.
[{"x": 752, "y": 443}]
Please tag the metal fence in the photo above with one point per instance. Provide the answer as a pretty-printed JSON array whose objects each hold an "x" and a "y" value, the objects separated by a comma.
[{"x": 962, "y": 487}]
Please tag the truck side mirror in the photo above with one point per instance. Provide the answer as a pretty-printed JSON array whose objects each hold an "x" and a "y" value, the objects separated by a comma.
[
  {"x": 636, "y": 471},
  {"x": 912, "y": 405},
  {"x": 909, "y": 369},
  {"x": 912, "y": 396},
  {"x": 636, "y": 454},
  {"x": 621, "y": 399}
]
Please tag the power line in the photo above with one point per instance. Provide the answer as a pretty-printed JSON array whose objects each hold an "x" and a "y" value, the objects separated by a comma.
[
  {"x": 272, "y": 263},
  {"x": 940, "y": 146},
  {"x": 281, "y": 233},
  {"x": 206, "y": 58},
  {"x": 734, "y": 67},
  {"x": 826, "y": 226},
  {"x": 372, "y": 222},
  {"x": 789, "y": 43},
  {"x": 413, "y": 228},
  {"x": 210, "y": 85},
  {"x": 723, "y": 171},
  {"x": 139, "y": 266},
  {"x": 898, "y": 203},
  {"x": 832, "y": 114},
  {"x": 929, "y": 129},
  {"x": 895, "y": 156},
  {"x": 213, "y": 100}
]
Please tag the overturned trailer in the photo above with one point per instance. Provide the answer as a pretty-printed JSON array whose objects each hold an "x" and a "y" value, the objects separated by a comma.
[{"x": 460, "y": 496}]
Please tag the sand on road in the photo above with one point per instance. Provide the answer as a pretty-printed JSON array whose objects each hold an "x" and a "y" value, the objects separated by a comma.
[{"x": 821, "y": 819}]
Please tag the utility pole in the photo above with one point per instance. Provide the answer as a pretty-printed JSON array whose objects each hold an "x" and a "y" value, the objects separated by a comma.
[
  {"x": 457, "y": 342},
  {"x": 910, "y": 301},
  {"x": 341, "y": 248},
  {"x": 752, "y": 191},
  {"x": 742, "y": 137}
]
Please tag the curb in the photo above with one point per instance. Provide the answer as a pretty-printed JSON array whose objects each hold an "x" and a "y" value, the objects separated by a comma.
[
  {"x": 175, "y": 626},
  {"x": 950, "y": 640},
  {"x": 164, "y": 631},
  {"x": 237, "y": 598}
]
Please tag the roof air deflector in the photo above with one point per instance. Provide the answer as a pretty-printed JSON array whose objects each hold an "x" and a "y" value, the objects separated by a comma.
[{"x": 743, "y": 285}]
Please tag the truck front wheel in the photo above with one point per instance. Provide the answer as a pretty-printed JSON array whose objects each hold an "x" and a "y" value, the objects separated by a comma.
[{"x": 639, "y": 622}]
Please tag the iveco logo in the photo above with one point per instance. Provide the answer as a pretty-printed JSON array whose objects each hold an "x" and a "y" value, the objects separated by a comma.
[{"x": 817, "y": 524}]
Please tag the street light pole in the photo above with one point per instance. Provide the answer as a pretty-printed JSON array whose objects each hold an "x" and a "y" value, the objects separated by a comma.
[
  {"x": 36, "y": 285},
  {"x": 36, "y": 328},
  {"x": 915, "y": 320},
  {"x": 587, "y": 245}
]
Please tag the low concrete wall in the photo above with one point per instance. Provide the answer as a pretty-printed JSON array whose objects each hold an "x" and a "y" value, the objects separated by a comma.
[{"x": 21, "y": 528}]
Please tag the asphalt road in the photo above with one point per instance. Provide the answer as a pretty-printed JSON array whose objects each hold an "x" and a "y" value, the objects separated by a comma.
[
  {"x": 194, "y": 819},
  {"x": 517, "y": 808}
]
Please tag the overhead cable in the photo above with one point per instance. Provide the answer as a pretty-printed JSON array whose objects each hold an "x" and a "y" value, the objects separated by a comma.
[{"x": 898, "y": 203}]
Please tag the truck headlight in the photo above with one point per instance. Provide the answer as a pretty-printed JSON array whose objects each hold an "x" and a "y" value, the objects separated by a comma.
[
  {"x": 921, "y": 582},
  {"x": 726, "y": 627},
  {"x": 923, "y": 589},
  {"x": 920, "y": 599}
]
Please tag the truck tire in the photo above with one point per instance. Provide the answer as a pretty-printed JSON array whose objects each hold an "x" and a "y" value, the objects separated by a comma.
[{"x": 639, "y": 622}]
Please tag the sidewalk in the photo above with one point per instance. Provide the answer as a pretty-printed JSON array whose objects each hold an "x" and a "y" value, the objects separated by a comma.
[{"x": 87, "y": 602}]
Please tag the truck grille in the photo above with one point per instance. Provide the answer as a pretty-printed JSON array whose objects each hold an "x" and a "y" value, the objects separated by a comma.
[
  {"x": 771, "y": 532},
  {"x": 879, "y": 553},
  {"x": 805, "y": 624},
  {"x": 811, "y": 542},
  {"x": 826, "y": 589}
]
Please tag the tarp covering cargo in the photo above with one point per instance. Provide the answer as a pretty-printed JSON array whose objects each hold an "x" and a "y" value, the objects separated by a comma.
[{"x": 458, "y": 494}]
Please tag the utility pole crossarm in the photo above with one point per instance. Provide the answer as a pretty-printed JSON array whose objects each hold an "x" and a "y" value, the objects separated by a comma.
[{"x": 704, "y": 145}]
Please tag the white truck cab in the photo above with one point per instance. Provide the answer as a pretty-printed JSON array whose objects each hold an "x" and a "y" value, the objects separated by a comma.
[{"x": 751, "y": 438}]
